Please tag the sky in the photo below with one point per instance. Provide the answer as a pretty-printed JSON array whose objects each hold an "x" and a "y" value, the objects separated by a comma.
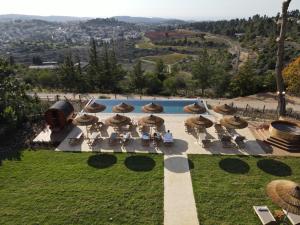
[{"x": 180, "y": 9}]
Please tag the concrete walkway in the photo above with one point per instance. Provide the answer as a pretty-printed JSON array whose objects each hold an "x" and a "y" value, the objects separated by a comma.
[{"x": 179, "y": 202}]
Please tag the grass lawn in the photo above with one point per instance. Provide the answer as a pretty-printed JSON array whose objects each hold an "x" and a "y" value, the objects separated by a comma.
[
  {"x": 47, "y": 187},
  {"x": 226, "y": 187},
  {"x": 167, "y": 59}
]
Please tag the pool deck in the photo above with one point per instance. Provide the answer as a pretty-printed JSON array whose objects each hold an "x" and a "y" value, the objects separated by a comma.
[{"x": 183, "y": 142}]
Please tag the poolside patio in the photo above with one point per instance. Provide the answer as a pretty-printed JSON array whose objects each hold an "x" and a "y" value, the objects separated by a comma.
[{"x": 183, "y": 142}]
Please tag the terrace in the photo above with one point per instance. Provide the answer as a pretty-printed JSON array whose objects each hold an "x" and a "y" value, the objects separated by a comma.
[{"x": 187, "y": 179}]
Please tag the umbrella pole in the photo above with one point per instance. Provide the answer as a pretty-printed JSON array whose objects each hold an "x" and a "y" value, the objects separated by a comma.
[
  {"x": 87, "y": 133},
  {"x": 285, "y": 218}
]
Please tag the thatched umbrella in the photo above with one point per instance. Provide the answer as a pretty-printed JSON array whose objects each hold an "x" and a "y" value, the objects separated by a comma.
[
  {"x": 85, "y": 120},
  {"x": 152, "y": 108},
  {"x": 123, "y": 108},
  {"x": 94, "y": 108},
  {"x": 286, "y": 194},
  {"x": 151, "y": 121},
  {"x": 194, "y": 108},
  {"x": 199, "y": 122},
  {"x": 118, "y": 121},
  {"x": 233, "y": 122},
  {"x": 224, "y": 109}
]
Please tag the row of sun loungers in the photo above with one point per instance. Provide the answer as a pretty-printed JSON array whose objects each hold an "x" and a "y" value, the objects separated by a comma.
[
  {"x": 119, "y": 137},
  {"x": 267, "y": 218}
]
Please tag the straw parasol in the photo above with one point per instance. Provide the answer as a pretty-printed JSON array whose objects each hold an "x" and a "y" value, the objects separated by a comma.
[
  {"x": 118, "y": 121},
  {"x": 152, "y": 108},
  {"x": 152, "y": 121},
  {"x": 286, "y": 194},
  {"x": 199, "y": 122},
  {"x": 94, "y": 108},
  {"x": 123, "y": 108},
  {"x": 194, "y": 108},
  {"x": 233, "y": 122},
  {"x": 224, "y": 109},
  {"x": 85, "y": 120}
]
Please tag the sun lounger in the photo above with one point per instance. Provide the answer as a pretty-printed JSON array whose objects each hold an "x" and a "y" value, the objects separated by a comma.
[
  {"x": 126, "y": 138},
  {"x": 113, "y": 139},
  {"x": 168, "y": 139},
  {"x": 206, "y": 143},
  {"x": 145, "y": 139},
  {"x": 94, "y": 139},
  {"x": 264, "y": 215},
  {"x": 293, "y": 218},
  {"x": 76, "y": 139}
]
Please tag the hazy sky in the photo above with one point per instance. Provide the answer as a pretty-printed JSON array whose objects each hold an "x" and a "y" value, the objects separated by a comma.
[{"x": 182, "y": 9}]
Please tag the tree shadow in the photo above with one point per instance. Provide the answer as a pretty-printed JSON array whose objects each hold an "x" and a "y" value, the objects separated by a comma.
[
  {"x": 274, "y": 167},
  {"x": 140, "y": 163},
  {"x": 12, "y": 155},
  {"x": 102, "y": 161},
  {"x": 235, "y": 166}
]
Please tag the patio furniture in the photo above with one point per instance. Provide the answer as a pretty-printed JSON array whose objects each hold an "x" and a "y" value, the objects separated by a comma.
[
  {"x": 85, "y": 120},
  {"x": 239, "y": 140},
  {"x": 152, "y": 108},
  {"x": 113, "y": 139},
  {"x": 264, "y": 215},
  {"x": 76, "y": 139},
  {"x": 156, "y": 139},
  {"x": 94, "y": 139},
  {"x": 126, "y": 138},
  {"x": 203, "y": 140},
  {"x": 145, "y": 139},
  {"x": 293, "y": 218},
  {"x": 285, "y": 194},
  {"x": 94, "y": 108},
  {"x": 168, "y": 139},
  {"x": 123, "y": 108},
  {"x": 194, "y": 108},
  {"x": 224, "y": 109},
  {"x": 226, "y": 141}
]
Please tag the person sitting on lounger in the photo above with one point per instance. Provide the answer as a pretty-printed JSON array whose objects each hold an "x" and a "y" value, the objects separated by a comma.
[{"x": 168, "y": 137}]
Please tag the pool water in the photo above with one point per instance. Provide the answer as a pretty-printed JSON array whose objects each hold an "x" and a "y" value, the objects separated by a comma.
[{"x": 170, "y": 106}]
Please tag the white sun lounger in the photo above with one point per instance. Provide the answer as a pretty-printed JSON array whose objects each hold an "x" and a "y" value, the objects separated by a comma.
[
  {"x": 264, "y": 215},
  {"x": 293, "y": 218}
]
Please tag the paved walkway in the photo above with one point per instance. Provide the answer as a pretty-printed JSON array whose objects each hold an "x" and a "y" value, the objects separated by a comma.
[{"x": 179, "y": 202}]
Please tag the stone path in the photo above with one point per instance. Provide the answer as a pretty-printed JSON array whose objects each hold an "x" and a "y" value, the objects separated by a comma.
[{"x": 179, "y": 202}]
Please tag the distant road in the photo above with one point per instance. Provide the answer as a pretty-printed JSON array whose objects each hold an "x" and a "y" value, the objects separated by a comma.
[{"x": 256, "y": 101}]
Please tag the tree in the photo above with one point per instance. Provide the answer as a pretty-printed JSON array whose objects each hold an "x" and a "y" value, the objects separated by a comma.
[
  {"x": 160, "y": 70},
  {"x": 137, "y": 77},
  {"x": 153, "y": 83},
  {"x": 291, "y": 75},
  {"x": 68, "y": 74},
  {"x": 245, "y": 82},
  {"x": 280, "y": 59},
  {"x": 202, "y": 70},
  {"x": 94, "y": 70}
]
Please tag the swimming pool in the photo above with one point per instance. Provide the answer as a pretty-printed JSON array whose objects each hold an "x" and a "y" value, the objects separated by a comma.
[{"x": 171, "y": 106}]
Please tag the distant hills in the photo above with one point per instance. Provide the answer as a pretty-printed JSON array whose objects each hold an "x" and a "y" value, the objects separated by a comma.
[
  {"x": 147, "y": 20},
  {"x": 126, "y": 19},
  {"x": 9, "y": 17}
]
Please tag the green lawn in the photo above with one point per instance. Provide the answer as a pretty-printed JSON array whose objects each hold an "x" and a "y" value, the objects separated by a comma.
[
  {"x": 167, "y": 59},
  {"x": 226, "y": 188},
  {"x": 47, "y": 187}
]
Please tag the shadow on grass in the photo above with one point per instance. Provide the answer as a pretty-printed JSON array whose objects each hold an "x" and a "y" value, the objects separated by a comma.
[
  {"x": 102, "y": 161},
  {"x": 140, "y": 163},
  {"x": 13, "y": 155},
  {"x": 274, "y": 167},
  {"x": 236, "y": 166}
]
